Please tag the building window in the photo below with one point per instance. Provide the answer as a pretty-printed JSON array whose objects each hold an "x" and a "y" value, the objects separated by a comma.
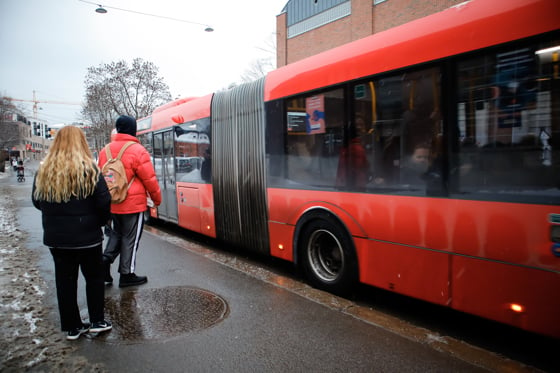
[{"x": 320, "y": 19}]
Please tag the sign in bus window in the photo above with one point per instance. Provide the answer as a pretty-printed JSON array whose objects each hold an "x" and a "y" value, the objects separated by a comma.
[
  {"x": 315, "y": 108},
  {"x": 296, "y": 122}
]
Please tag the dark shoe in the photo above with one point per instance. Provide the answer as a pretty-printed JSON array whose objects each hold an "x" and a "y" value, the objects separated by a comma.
[
  {"x": 76, "y": 333},
  {"x": 132, "y": 280},
  {"x": 108, "y": 277},
  {"x": 101, "y": 326}
]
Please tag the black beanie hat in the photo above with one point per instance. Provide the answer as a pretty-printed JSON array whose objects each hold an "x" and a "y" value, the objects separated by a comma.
[{"x": 126, "y": 124}]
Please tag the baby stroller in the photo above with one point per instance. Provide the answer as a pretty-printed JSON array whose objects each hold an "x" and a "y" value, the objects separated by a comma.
[{"x": 20, "y": 173}]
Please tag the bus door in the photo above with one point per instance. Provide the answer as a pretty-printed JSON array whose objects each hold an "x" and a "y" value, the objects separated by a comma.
[{"x": 165, "y": 171}]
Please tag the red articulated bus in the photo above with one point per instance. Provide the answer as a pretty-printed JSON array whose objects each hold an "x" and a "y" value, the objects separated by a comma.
[{"x": 424, "y": 159}]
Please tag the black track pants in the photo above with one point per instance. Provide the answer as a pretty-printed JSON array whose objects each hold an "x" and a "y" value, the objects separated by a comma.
[{"x": 124, "y": 240}]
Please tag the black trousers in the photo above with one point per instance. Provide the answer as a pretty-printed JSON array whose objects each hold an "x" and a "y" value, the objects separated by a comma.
[
  {"x": 124, "y": 239},
  {"x": 67, "y": 263}
]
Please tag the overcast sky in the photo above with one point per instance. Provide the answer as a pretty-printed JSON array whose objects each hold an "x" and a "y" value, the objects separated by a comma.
[{"x": 47, "y": 46}]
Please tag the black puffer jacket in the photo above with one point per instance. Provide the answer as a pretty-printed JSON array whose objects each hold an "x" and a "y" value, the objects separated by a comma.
[{"x": 76, "y": 223}]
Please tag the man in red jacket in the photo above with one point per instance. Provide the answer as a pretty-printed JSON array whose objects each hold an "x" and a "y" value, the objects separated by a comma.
[{"x": 127, "y": 216}]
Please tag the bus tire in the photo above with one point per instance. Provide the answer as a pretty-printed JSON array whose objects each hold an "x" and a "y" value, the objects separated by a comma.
[{"x": 327, "y": 255}]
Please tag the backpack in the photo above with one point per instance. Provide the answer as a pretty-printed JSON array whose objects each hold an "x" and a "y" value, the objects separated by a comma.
[{"x": 115, "y": 175}]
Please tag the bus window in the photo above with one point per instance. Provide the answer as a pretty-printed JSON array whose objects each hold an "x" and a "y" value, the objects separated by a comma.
[
  {"x": 506, "y": 134},
  {"x": 399, "y": 120},
  {"x": 168, "y": 164},
  {"x": 146, "y": 140},
  {"x": 192, "y": 151},
  {"x": 158, "y": 156},
  {"x": 314, "y": 137}
]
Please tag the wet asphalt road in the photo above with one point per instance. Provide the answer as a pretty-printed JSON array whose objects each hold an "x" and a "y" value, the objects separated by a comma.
[{"x": 203, "y": 311}]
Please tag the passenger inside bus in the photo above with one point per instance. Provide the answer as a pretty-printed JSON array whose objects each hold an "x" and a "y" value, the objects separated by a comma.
[
  {"x": 414, "y": 168},
  {"x": 353, "y": 165}
]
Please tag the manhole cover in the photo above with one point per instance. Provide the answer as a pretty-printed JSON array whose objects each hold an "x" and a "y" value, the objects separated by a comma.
[{"x": 148, "y": 314}]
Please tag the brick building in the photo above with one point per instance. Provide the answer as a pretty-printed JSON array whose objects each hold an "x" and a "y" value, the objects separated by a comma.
[{"x": 308, "y": 27}]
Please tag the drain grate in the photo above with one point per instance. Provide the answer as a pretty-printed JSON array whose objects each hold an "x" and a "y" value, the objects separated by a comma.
[{"x": 152, "y": 314}]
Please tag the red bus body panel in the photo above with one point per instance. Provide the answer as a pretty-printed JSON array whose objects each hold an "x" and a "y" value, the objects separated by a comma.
[
  {"x": 479, "y": 257},
  {"x": 462, "y": 28},
  {"x": 195, "y": 201},
  {"x": 474, "y": 256},
  {"x": 458, "y": 253},
  {"x": 184, "y": 109},
  {"x": 195, "y": 204}
]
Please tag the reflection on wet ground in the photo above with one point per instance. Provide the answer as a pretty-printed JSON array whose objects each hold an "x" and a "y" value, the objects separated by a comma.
[{"x": 155, "y": 314}]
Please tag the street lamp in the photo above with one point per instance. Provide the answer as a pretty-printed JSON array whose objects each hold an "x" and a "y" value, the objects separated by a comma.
[{"x": 101, "y": 10}]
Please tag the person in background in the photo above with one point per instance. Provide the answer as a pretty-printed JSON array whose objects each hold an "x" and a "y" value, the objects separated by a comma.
[
  {"x": 75, "y": 203},
  {"x": 416, "y": 166},
  {"x": 20, "y": 170},
  {"x": 353, "y": 165},
  {"x": 127, "y": 217}
]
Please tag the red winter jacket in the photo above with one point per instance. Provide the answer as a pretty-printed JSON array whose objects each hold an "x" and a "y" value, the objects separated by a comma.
[{"x": 137, "y": 162}]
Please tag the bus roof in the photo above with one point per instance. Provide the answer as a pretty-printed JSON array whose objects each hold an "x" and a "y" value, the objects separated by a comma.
[
  {"x": 180, "y": 111},
  {"x": 468, "y": 26}
]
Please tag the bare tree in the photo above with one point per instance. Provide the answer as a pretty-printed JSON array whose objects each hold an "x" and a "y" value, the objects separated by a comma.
[
  {"x": 258, "y": 68},
  {"x": 116, "y": 89},
  {"x": 261, "y": 66}
]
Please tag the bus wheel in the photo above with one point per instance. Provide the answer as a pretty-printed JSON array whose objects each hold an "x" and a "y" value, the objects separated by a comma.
[{"x": 328, "y": 256}]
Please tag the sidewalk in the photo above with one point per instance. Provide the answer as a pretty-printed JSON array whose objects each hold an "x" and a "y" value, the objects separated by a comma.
[{"x": 30, "y": 340}]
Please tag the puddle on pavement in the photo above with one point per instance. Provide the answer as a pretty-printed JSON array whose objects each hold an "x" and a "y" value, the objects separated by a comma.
[{"x": 156, "y": 314}]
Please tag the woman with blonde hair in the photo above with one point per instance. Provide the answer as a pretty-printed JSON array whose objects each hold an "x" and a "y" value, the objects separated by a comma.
[{"x": 72, "y": 195}]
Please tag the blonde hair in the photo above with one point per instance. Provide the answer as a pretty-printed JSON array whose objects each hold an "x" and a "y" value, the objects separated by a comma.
[{"x": 68, "y": 170}]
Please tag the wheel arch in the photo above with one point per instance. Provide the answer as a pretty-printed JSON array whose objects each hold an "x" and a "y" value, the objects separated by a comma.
[
  {"x": 321, "y": 212},
  {"x": 315, "y": 269}
]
